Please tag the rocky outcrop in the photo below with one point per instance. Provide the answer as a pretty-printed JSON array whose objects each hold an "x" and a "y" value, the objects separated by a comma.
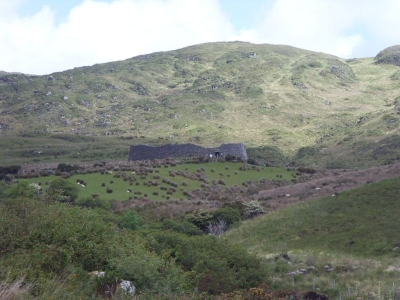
[{"x": 389, "y": 55}]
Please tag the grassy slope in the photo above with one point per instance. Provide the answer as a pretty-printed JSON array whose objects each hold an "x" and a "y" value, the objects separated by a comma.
[
  {"x": 355, "y": 233},
  {"x": 363, "y": 221},
  {"x": 283, "y": 97}
]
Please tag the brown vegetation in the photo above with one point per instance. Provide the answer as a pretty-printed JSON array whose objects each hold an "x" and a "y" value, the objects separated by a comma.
[{"x": 324, "y": 183}]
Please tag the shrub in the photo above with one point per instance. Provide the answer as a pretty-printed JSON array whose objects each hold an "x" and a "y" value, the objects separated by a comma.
[
  {"x": 93, "y": 202},
  {"x": 200, "y": 218},
  {"x": 131, "y": 220},
  {"x": 184, "y": 227},
  {"x": 253, "y": 208},
  {"x": 62, "y": 190},
  {"x": 230, "y": 157},
  {"x": 252, "y": 161},
  {"x": 22, "y": 189},
  {"x": 229, "y": 214},
  {"x": 63, "y": 167},
  {"x": 306, "y": 170}
]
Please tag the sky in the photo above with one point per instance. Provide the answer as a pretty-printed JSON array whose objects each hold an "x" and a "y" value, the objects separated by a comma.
[{"x": 46, "y": 36}]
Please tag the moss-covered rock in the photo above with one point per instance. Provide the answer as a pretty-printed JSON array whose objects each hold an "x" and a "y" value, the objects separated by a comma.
[{"x": 389, "y": 55}]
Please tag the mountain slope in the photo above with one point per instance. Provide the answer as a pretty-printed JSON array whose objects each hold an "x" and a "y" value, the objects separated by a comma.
[{"x": 261, "y": 95}]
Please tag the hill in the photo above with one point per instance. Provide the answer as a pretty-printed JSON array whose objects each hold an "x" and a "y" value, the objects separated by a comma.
[
  {"x": 347, "y": 243},
  {"x": 308, "y": 107}
]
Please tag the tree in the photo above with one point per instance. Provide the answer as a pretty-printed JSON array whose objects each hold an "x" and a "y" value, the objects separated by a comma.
[
  {"x": 218, "y": 228},
  {"x": 228, "y": 214},
  {"x": 131, "y": 220},
  {"x": 62, "y": 190},
  {"x": 21, "y": 190}
]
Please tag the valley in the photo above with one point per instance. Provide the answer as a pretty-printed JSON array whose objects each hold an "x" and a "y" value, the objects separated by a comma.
[{"x": 312, "y": 213}]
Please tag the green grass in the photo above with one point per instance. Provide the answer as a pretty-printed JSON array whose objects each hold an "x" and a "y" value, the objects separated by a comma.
[
  {"x": 356, "y": 233},
  {"x": 206, "y": 94},
  {"x": 230, "y": 173},
  {"x": 363, "y": 221}
]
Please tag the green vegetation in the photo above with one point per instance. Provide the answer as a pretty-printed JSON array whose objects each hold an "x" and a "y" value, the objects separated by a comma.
[
  {"x": 175, "y": 182},
  {"x": 351, "y": 239},
  {"x": 178, "y": 229},
  {"x": 275, "y": 99},
  {"x": 346, "y": 245},
  {"x": 52, "y": 246}
]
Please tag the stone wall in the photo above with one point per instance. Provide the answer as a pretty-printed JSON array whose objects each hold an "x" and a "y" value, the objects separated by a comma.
[{"x": 144, "y": 152}]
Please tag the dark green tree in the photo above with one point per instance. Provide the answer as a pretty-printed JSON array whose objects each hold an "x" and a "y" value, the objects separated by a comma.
[{"x": 62, "y": 190}]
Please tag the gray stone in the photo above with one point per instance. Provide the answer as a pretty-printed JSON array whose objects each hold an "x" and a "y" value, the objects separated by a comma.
[{"x": 145, "y": 152}]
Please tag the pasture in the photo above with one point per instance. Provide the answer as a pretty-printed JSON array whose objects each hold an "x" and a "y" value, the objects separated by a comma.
[{"x": 168, "y": 181}]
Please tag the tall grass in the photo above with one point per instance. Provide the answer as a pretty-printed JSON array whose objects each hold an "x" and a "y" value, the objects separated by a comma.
[{"x": 14, "y": 290}]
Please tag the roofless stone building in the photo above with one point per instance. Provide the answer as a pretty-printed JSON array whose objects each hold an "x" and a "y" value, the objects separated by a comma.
[{"x": 145, "y": 152}]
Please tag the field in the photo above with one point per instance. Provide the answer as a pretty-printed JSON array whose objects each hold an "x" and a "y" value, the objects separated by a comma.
[{"x": 127, "y": 185}]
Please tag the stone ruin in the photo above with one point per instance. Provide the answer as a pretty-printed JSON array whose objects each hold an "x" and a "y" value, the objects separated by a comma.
[{"x": 145, "y": 152}]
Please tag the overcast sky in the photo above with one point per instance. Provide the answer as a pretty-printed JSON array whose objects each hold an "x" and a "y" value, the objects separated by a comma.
[{"x": 45, "y": 36}]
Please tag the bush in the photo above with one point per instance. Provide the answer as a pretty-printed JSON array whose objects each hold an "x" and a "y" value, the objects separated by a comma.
[
  {"x": 131, "y": 220},
  {"x": 228, "y": 214},
  {"x": 253, "y": 208},
  {"x": 252, "y": 161},
  {"x": 5, "y": 170},
  {"x": 93, "y": 202},
  {"x": 62, "y": 190},
  {"x": 182, "y": 227},
  {"x": 150, "y": 272},
  {"x": 20, "y": 190},
  {"x": 200, "y": 218},
  {"x": 230, "y": 157},
  {"x": 63, "y": 167},
  {"x": 306, "y": 170},
  {"x": 218, "y": 266}
]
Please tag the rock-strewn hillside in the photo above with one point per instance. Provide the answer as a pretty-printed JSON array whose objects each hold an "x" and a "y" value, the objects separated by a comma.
[{"x": 261, "y": 95}]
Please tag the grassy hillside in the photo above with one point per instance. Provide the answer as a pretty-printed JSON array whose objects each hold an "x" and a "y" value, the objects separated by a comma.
[
  {"x": 351, "y": 239},
  {"x": 271, "y": 96}
]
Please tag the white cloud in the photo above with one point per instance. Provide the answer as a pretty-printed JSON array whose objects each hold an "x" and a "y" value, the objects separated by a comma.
[
  {"x": 8, "y": 8},
  {"x": 340, "y": 27},
  {"x": 312, "y": 24},
  {"x": 96, "y": 32}
]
